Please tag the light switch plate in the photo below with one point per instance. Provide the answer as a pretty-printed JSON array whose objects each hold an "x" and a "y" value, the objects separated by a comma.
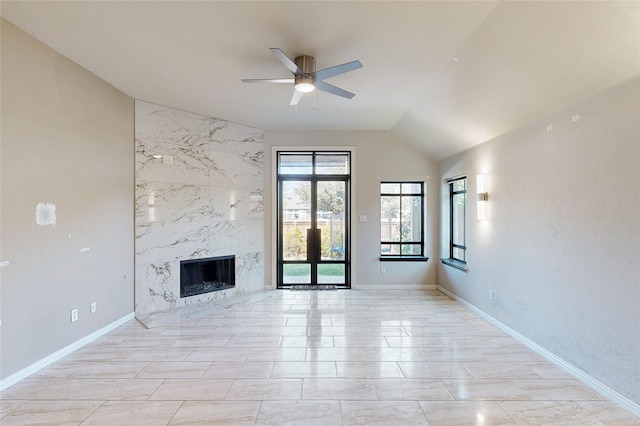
[{"x": 363, "y": 218}]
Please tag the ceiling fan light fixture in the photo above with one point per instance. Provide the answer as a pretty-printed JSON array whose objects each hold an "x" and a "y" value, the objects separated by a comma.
[{"x": 305, "y": 84}]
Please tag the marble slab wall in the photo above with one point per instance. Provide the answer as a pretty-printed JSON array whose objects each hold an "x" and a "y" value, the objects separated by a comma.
[{"x": 199, "y": 193}]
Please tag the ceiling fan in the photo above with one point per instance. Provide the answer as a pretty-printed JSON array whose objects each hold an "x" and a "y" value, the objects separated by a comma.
[{"x": 306, "y": 78}]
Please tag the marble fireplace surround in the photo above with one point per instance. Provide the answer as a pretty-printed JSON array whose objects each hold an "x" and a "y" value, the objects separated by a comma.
[{"x": 199, "y": 194}]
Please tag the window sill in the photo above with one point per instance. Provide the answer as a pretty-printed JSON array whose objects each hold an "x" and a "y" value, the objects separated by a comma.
[
  {"x": 455, "y": 264},
  {"x": 403, "y": 259}
]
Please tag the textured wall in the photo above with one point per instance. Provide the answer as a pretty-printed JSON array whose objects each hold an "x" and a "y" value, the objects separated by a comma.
[
  {"x": 561, "y": 246},
  {"x": 67, "y": 139},
  {"x": 184, "y": 198}
]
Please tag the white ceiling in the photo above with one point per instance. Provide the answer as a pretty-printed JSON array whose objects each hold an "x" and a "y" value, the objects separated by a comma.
[{"x": 443, "y": 76}]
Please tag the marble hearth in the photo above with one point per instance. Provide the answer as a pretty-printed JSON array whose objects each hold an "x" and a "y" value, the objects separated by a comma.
[{"x": 199, "y": 194}]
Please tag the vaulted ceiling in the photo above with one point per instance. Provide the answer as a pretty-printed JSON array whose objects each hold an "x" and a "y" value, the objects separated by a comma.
[{"x": 443, "y": 76}]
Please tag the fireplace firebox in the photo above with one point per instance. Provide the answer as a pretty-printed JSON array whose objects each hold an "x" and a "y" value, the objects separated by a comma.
[{"x": 198, "y": 276}]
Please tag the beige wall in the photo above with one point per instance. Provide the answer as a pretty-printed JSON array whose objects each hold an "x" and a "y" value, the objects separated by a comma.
[
  {"x": 378, "y": 156},
  {"x": 67, "y": 139},
  {"x": 561, "y": 245}
]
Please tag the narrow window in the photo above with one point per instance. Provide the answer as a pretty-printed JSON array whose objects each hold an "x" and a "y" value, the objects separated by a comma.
[
  {"x": 457, "y": 217},
  {"x": 401, "y": 220}
]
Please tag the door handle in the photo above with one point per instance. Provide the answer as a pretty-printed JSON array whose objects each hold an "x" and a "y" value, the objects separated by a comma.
[
  {"x": 310, "y": 245},
  {"x": 314, "y": 247}
]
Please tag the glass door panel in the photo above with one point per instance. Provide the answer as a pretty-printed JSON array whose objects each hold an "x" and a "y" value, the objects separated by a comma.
[
  {"x": 330, "y": 215},
  {"x": 296, "y": 219}
]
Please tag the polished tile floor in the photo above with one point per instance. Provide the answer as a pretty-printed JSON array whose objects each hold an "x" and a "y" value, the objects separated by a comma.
[{"x": 399, "y": 357}]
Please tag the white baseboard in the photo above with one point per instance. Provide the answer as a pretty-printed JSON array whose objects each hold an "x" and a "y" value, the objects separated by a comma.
[
  {"x": 56, "y": 356},
  {"x": 602, "y": 389},
  {"x": 394, "y": 287}
]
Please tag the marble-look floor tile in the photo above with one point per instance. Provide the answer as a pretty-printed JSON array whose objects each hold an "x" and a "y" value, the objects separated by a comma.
[
  {"x": 7, "y": 406},
  {"x": 294, "y": 413},
  {"x": 316, "y": 370},
  {"x": 277, "y": 354},
  {"x": 174, "y": 370},
  {"x": 133, "y": 413},
  {"x": 232, "y": 413},
  {"x": 465, "y": 413},
  {"x": 167, "y": 354},
  {"x": 200, "y": 342},
  {"x": 337, "y": 389},
  {"x": 86, "y": 389},
  {"x": 308, "y": 341},
  {"x": 255, "y": 342},
  {"x": 239, "y": 370},
  {"x": 360, "y": 342},
  {"x": 413, "y": 342},
  {"x": 411, "y": 389},
  {"x": 548, "y": 413},
  {"x": 434, "y": 370},
  {"x": 246, "y": 360},
  {"x": 368, "y": 370},
  {"x": 218, "y": 354},
  {"x": 382, "y": 413},
  {"x": 83, "y": 370},
  {"x": 518, "y": 370},
  {"x": 609, "y": 413},
  {"x": 522, "y": 390},
  {"x": 393, "y": 354},
  {"x": 50, "y": 413},
  {"x": 335, "y": 354},
  {"x": 192, "y": 390},
  {"x": 101, "y": 354},
  {"x": 265, "y": 389}
]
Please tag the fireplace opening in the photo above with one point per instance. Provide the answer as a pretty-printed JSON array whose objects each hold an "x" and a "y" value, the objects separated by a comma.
[{"x": 200, "y": 276}]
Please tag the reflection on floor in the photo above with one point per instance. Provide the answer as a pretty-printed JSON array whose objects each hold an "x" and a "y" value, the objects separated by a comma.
[{"x": 310, "y": 357}]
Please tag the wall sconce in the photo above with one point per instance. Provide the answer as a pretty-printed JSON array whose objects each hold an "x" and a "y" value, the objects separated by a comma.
[
  {"x": 482, "y": 198},
  {"x": 151, "y": 203},
  {"x": 232, "y": 206}
]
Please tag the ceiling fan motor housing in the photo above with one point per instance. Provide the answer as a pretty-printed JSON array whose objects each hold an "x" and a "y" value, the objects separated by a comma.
[{"x": 305, "y": 82}]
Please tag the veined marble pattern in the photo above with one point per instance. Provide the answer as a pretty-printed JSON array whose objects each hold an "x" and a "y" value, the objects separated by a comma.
[
  {"x": 164, "y": 242},
  {"x": 244, "y": 171},
  {"x": 236, "y": 204},
  {"x": 160, "y": 124},
  {"x": 177, "y": 164},
  {"x": 199, "y": 193},
  {"x": 224, "y": 238},
  {"x": 228, "y": 362},
  {"x": 172, "y": 203},
  {"x": 235, "y": 138}
]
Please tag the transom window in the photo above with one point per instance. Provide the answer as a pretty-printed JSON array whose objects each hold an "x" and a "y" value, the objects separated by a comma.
[{"x": 401, "y": 219}]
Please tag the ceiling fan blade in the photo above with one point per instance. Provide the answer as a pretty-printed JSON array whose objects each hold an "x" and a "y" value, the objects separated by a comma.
[
  {"x": 337, "y": 70},
  {"x": 269, "y": 80},
  {"x": 326, "y": 87},
  {"x": 297, "y": 95},
  {"x": 286, "y": 61}
]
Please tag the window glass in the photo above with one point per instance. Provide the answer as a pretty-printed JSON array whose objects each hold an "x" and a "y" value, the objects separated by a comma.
[
  {"x": 295, "y": 164},
  {"x": 401, "y": 219},
  {"x": 389, "y": 188},
  {"x": 332, "y": 164},
  {"x": 457, "y": 219}
]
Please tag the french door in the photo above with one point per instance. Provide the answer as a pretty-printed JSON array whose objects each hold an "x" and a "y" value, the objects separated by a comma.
[{"x": 313, "y": 218}]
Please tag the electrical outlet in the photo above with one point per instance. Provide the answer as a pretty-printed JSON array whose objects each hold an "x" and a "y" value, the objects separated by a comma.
[
  {"x": 74, "y": 315},
  {"x": 383, "y": 270},
  {"x": 491, "y": 296},
  {"x": 94, "y": 307}
]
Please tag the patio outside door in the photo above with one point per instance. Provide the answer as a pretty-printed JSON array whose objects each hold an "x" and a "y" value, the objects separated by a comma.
[{"x": 313, "y": 219}]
